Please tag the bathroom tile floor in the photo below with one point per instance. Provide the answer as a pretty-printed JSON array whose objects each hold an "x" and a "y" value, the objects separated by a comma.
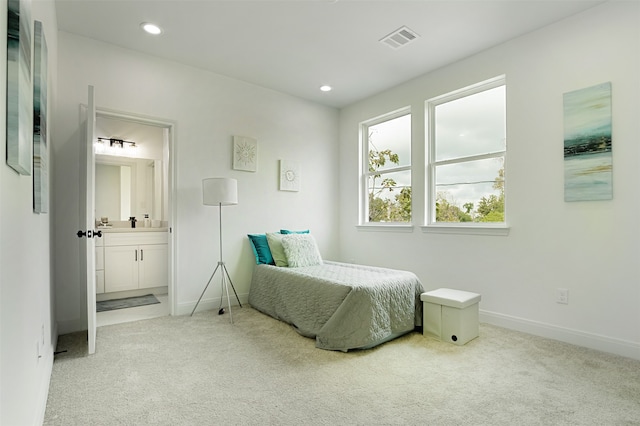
[{"x": 135, "y": 314}]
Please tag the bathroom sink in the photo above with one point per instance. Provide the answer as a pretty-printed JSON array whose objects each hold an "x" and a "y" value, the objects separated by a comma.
[{"x": 118, "y": 229}]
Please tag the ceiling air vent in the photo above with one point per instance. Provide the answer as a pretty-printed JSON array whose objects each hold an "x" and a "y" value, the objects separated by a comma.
[{"x": 400, "y": 37}]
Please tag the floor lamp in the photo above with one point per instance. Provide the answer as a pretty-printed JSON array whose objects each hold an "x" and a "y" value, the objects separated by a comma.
[{"x": 220, "y": 192}]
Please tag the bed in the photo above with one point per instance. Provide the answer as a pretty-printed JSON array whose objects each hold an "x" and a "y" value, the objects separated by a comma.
[{"x": 342, "y": 306}]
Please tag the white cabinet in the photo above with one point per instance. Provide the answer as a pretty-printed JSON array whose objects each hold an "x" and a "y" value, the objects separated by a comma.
[
  {"x": 135, "y": 260},
  {"x": 99, "y": 266},
  {"x": 152, "y": 268},
  {"x": 121, "y": 268}
]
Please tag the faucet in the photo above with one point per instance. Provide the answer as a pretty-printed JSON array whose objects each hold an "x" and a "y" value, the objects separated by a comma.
[{"x": 133, "y": 220}]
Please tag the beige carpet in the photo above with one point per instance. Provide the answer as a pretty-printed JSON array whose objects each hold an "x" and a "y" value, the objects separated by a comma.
[{"x": 201, "y": 370}]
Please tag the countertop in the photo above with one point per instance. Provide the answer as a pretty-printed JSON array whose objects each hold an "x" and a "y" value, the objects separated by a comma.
[{"x": 111, "y": 229}]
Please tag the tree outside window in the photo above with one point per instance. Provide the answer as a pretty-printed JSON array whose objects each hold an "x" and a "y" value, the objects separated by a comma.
[
  {"x": 388, "y": 169},
  {"x": 467, "y": 151}
]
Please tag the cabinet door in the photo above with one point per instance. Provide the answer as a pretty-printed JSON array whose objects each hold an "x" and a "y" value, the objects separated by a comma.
[
  {"x": 121, "y": 268},
  {"x": 99, "y": 269},
  {"x": 153, "y": 269},
  {"x": 100, "y": 282},
  {"x": 99, "y": 258}
]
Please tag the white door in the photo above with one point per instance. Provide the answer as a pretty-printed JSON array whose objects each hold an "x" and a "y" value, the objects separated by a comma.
[{"x": 90, "y": 222}]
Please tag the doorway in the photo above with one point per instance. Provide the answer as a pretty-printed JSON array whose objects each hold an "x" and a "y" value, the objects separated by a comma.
[{"x": 134, "y": 165}]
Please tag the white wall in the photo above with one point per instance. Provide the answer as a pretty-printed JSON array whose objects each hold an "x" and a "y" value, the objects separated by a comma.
[
  {"x": 26, "y": 299},
  {"x": 208, "y": 110},
  {"x": 591, "y": 248}
]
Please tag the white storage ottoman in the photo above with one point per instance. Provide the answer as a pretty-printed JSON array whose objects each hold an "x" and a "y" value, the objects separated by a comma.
[{"x": 450, "y": 315}]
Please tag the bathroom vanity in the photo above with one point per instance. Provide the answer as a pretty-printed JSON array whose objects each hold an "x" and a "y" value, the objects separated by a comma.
[{"x": 131, "y": 259}]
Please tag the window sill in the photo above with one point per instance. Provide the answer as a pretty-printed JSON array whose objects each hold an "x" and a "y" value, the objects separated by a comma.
[
  {"x": 385, "y": 227},
  {"x": 494, "y": 230}
]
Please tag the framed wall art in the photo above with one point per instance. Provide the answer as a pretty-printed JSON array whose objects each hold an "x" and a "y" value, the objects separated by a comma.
[
  {"x": 289, "y": 176},
  {"x": 588, "y": 167},
  {"x": 245, "y": 154},
  {"x": 40, "y": 135},
  {"x": 19, "y": 89}
]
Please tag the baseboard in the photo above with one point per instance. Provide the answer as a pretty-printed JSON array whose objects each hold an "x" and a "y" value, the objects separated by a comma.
[
  {"x": 43, "y": 391},
  {"x": 589, "y": 340},
  {"x": 48, "y": 358},
  {"x": 211, "y": 304}
]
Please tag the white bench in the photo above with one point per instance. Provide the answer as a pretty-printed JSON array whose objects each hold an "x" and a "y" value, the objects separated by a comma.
[{"x": 450, "y": 315}]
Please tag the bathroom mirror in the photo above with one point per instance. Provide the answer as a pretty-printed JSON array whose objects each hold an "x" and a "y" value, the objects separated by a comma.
[
  {"x": 131, "y": 177},
  {"x": 127, "y": 187}
]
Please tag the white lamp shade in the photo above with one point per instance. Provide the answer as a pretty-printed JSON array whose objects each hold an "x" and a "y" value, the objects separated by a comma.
[{"x": 219, "y": 191}]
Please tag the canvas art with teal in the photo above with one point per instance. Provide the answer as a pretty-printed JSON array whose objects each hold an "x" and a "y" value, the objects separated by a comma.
[{"x": 587, "y": 144}]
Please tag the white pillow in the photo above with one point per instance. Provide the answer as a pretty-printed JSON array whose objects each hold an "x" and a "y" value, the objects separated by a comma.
[
  {"x": 301, "y": 250},
  {"x": 274, "y": 240}
]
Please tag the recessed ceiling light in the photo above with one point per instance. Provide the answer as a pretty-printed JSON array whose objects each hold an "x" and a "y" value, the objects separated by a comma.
[
  {"x": 325, "y": 88},
  {"x": 151, "y": 28}
]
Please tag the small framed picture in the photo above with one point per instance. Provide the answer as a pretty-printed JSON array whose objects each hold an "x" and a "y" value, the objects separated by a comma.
[
  {"x": 289, "y": 176},
  {"x": 245, "y": 153}
]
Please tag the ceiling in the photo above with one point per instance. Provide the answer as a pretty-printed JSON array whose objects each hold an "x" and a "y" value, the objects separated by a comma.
[{"x": 295, "y": 46}]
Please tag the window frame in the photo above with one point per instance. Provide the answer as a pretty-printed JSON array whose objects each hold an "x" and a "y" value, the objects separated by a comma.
[
  {"x": 430, "y": 224},
  {"x": 363, "y": 220}
]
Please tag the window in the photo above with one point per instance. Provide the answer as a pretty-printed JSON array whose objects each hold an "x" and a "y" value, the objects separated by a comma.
[
  {"x": 386, "y": 169},
  {"x": 467, "y": 148}
]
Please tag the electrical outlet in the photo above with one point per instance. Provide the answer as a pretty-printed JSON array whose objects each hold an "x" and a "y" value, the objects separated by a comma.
[{"x": 563, "y": 296}]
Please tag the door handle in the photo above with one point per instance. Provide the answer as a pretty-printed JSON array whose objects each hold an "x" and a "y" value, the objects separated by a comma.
[
  {"x": 89, "y": 233},
  {"x": 141, "y": 255},
  {"x": 136, "y": 255}
]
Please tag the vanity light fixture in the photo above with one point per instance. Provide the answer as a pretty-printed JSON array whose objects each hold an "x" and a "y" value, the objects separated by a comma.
[
  {"x": 151, "y": 28},
  {"x": 117, "y": 143}
]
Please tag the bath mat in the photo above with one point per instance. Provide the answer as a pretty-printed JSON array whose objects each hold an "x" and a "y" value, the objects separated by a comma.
[{"x": 127, "y": 302}]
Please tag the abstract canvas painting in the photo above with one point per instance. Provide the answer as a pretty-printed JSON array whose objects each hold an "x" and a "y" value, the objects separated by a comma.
[
  {"x": 40, "y": 153},
  {"x": 19, "y": 89},
  {"x": 588, "y": 167}
]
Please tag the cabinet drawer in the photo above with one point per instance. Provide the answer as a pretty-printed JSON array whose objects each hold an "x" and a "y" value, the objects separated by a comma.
[{"x": 134, "y": 238}]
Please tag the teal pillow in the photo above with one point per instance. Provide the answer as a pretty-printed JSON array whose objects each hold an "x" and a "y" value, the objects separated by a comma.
[
  {"x": 261, "y": 249},
  {"x": 287, "y": 231},
  {"x": 277, "y": 251}
]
